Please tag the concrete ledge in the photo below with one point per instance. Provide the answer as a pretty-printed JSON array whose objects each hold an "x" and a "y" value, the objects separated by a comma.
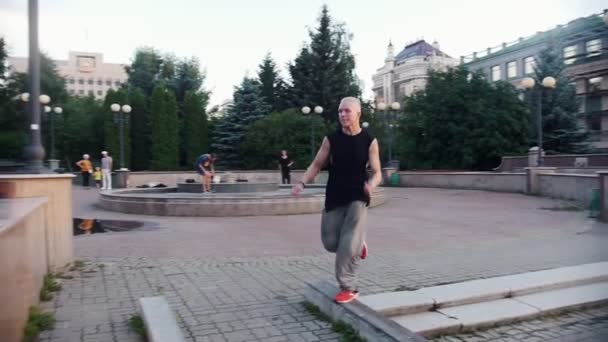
[
  {"x": 161, "y": 325},
  {"x": 370, "y": 324},
  {"x": 488, "y": 181}
]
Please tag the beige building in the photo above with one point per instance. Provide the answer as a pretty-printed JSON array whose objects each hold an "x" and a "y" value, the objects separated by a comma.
[
  {"x": 85, "y": 73},
  {"x": 407, "y": 72}
]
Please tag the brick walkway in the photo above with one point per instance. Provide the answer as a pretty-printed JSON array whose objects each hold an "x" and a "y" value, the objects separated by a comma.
[{"x": 242, "y": 279}]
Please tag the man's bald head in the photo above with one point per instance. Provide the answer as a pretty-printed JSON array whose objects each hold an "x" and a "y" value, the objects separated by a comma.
[{"x": 352, "y": 101}]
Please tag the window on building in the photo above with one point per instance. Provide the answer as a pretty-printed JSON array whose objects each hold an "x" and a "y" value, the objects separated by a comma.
[
  {"x": 529, "y": 65},
  {"x": 90, "y": 93},
  {"x": 117, "y": 83},
  {"x": 594, "y": 123},
  {"x": 81, "y": 92},
  {"x": 495, "y": 73},
  {"x": 90, "y": 81},
  {"x": 594, "y": 84},
  {"x": 569, "y": 54},
  {"x": 72, "y": 91},
  {"x": 80, "y": 81},
  {"x": 99, "y": 92},
  {"x": 594, "y": 47},
  {"x": 108, "y": 82},
  {"x": 593, "y": 104},
  {"x": 99, "y": 82},
  {"x": 71, "y": 81},
  {"x": 512, "y": 69}
]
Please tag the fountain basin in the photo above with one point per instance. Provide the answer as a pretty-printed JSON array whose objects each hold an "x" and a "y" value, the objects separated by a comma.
[{"x": 170, "y": 202}]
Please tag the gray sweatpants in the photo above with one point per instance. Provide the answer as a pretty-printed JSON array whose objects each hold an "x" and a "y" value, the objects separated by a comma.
[{"x": 343, "y": 233}]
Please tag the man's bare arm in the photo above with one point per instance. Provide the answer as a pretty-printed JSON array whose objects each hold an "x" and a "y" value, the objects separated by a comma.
[
  {"x": 317, "y": 164},
  {"x": 374, "y": 163}
]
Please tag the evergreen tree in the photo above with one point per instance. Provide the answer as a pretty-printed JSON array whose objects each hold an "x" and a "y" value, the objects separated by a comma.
[
  {"x": 188, "y": 78},
  {"x": 272, "y": 86},
  {"x": 82, "y": 117},
  {"x": 324, "y": 71},
  {"x": 140, "y": 131},
  {"x": 165, "y": 140},
  {"x": 248, "y": 107},
  {"x": 143, "y": 71},
  {"x": 561, "y": 130},
  {"x": 196, "y": 132}
]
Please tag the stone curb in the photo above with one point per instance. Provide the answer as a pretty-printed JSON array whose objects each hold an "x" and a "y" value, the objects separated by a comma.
[{"x": 370, "y": 324}]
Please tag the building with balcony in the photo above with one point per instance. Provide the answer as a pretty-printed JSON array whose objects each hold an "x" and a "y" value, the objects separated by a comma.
[{"x": 583, "y": 44}]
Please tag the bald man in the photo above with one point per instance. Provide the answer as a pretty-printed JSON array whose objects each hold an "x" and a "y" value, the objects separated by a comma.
[{"x": 348, "y": 193}]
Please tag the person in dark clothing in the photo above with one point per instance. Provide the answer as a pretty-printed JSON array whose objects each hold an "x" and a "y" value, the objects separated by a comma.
[
  {"x": 285, "y": 164},
  {"x": 348, "y": 193}
]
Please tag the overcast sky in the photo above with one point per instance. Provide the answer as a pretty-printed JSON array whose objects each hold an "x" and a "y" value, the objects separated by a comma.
[{"x": 231, "y": 37}]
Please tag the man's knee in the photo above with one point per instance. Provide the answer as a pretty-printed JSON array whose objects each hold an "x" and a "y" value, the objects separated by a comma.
[{"x": 331, "y": 245}]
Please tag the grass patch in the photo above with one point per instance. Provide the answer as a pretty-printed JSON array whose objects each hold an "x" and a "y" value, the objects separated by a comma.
[
  {"x": 136, "y": 323},
  {"x": 345, "y": 330},
  {"x": 49, "y": 286},
  {"x": 78, "y": 265},
  {"x": 64, "y": 276},
  {"x": 37, "y": 322}
]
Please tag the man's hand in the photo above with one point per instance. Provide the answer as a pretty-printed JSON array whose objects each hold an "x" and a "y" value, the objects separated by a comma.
[
  {"x": 369, "y": 189},
  {"x": 297, "y": 189},
  {"x": 207, "y": 173}
]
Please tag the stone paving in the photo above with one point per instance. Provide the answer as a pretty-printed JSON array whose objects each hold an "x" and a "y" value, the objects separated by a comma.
[{"x": 242, "y": 279}]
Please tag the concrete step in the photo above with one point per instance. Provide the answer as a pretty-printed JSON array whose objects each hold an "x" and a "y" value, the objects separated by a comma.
[
  {"x": 160, "y": 321},
  {"x": 482, "y": 290},
  {"x": 463, "y": 318}
]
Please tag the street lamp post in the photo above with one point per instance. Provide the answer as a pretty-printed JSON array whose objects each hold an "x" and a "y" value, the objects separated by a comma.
[
  {"x": 120, "y": 116},
  {"x": 34, "y": 151},
  {"x": 388, "y": 119},
  {"x": 306, "y": 111},
  {"x": 529, "y": 83}
]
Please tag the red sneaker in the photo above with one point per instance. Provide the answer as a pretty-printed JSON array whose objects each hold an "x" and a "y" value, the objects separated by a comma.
[
  {"x": 364, "y": 251},
  {"x": 345, "y": 296}
]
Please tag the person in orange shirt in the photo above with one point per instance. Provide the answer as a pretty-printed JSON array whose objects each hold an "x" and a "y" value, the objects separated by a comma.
[{"x": 86, "y": 168}]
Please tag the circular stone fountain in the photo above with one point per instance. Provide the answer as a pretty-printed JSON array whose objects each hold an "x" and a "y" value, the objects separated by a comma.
[
  {"x": 238, "y": 187},
  {"x": 229, "y": 199}
]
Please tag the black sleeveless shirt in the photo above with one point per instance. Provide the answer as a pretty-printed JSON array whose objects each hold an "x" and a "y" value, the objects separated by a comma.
[{"x": 348, "y": 159}]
